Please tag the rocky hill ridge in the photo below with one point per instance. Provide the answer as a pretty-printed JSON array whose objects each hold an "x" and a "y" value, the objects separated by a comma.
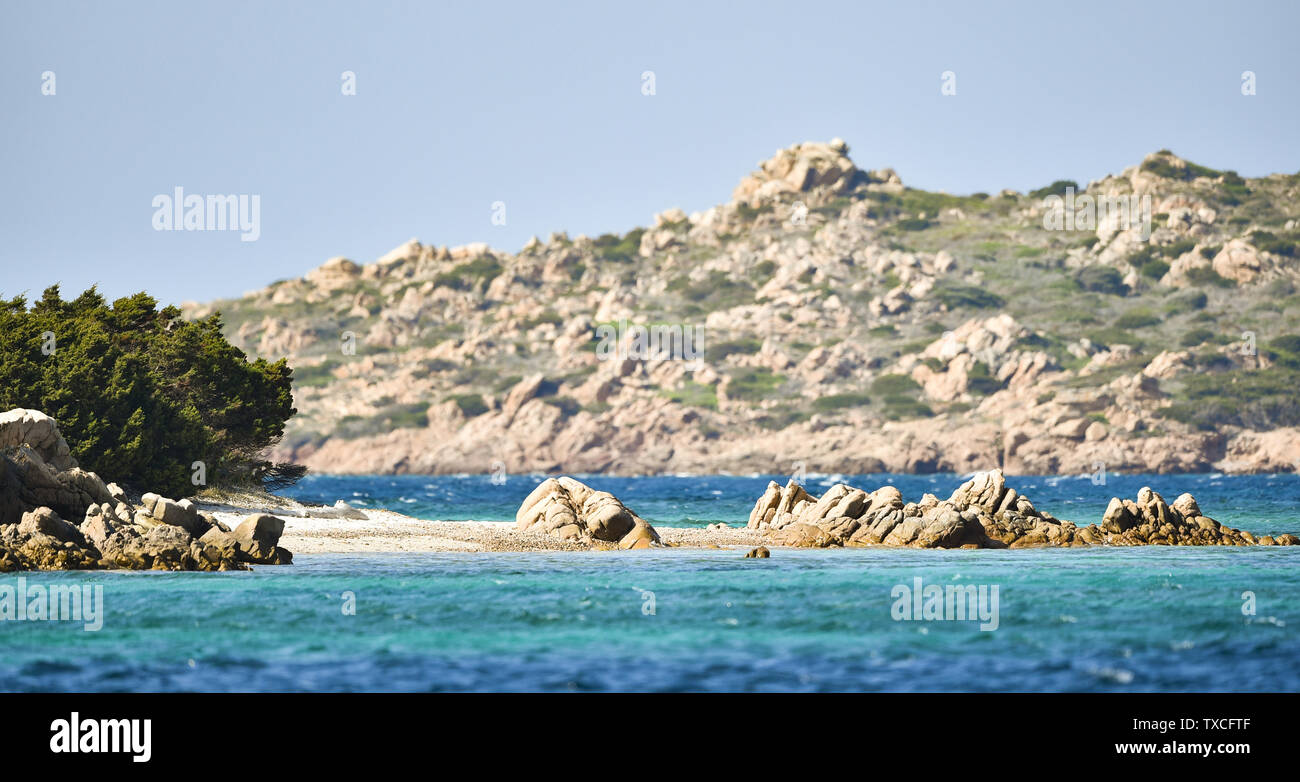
[{"x": 849, "y": 323}]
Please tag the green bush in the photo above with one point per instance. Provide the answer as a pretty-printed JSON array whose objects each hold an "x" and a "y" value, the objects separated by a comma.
[
  {"x": 719, "y": 351},
  {"x": 779, "y": 418},
  {"x": 411, "y": 416},
  {"x": 616, "y": 249},
  {"x": 1112, "y": 335},
  {"x": 1136, "y": 319},
  {"x": 1288, "y": 244},
  {"x": 1164, "y": 168},
  {"x": 892, "y": 385},
  {"x": 981, "y": 381},
  {"x": 1057, "y": 188},
  {"x": 1246, "y": 398},
  {"x": 568, "y": 406},
  {"x": 1101, "y": 279},
  {"x": 693, "y": 394},
  {"x": 1206, "y": 275},
  {"x": 718, "y": 289},
  {"x": 1285, "y": 350},
  {"x": 826, "y": 404},
  {"x": 141, "y": 394},
  {"x": 1189, "y": 300},
  {"x": 1153, "y": 268},
  {"x": 1196, "y": 337},
  {"x": 956, "y": 295},
  {"x": 753, "y": 384},
  {"x": 470, "y": 404},
  {"x": 900, "y": 408},
  {"x": 471, "y": 274}
]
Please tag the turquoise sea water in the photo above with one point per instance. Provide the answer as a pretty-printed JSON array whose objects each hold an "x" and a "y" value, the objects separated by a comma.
[{"x": 1099, "y": 619}]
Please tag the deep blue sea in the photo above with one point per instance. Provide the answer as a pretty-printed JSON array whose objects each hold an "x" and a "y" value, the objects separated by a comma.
[{"x": 1097, "y": 619}]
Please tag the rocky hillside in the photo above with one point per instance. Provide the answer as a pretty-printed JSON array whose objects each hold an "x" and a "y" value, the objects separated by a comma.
[{"x": 849, "y": 323}]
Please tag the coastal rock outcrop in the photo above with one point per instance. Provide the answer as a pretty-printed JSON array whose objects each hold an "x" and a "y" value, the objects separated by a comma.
[
  {"x": 1149, "y": 520},
  {"x": 846, "y": 516},
  {"x": 41, "y": 488},
  {"x": 111, "y": 538},
  {"x": 571, "y": 510},
  {"x": 982, "y": 513}
]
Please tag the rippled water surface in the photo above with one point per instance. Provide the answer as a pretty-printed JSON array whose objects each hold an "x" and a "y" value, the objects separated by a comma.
[{"x": 1076, "y": 619}]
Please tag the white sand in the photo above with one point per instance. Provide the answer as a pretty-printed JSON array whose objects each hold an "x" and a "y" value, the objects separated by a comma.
[{"x": 387, "y": 531}]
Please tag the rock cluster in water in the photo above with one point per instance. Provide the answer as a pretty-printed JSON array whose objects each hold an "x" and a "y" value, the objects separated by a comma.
[
  {"x": 41, "y": 488},
  {"x": 982, "y": 513},
  {"x": 570, "y": 510}
]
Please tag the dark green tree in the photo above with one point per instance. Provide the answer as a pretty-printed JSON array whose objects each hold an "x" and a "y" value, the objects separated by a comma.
[{"x": 141, "y": 394}]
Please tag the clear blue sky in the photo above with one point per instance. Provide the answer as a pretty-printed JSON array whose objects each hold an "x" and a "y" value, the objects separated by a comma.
[{"x": 539, "y": 105}]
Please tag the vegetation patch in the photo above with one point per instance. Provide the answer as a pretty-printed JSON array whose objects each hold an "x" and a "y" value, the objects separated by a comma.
[
  {"x": 1163, "y": 168},
  {"x": 619, "y": 249},
  {"x": 827, "y": 404},
  {"x": 141, "y": 394},
  {"x": 470, "y": 275},
  {"x": 754, "y": 384},
  {"x": 1101, "y": 279},
  {"x": 693, "y": 394},
  {"x": 719, "y": 351},
  {"x": 470, "y": 405},
  {"x": 955, "y": 295}
]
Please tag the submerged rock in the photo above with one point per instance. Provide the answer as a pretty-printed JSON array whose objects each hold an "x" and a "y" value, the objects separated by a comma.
[{"x": 571, "y": 510}]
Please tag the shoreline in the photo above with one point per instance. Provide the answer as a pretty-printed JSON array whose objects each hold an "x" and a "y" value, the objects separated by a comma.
[
  {"x": 312, "y": 530},
  {"x": 981, "y": 513}
]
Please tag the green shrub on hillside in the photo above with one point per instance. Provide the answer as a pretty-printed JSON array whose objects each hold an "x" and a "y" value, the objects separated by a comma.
[
  {"x": 1057, "y": 188},
  {"x": 616, "y": 249},
  {"x": 1196, "y": 338},
  {"x": 981, "y": 381},
  {"x": 956, "y": 295},
  {"x": 1246, "y": 398},
  {"x": 1287, "y": 244},
  {"x": 891, "y": 385},
  {"x": 1163, "y": 168},
  {"x": 141, "y": 394},
  {"x": 720, "y": 350},
  {"x": 470, "y": 404},
  {"x": 1136, "y": 319},
  {"x": 482, "y": 270},
  {"x": 693, "y": 394},
  {"x": 718, "y": 289},
  {"x": 899, "y": 408},
  {"x": 753, "y": 384},
  {"x": 1102, "y": 279},
  {"x": 832, "y": 402},
  {"x": 1206, "y": 275},
  {"x": 1285, "y": 351},
  {"x": 1188, "y": 300}
]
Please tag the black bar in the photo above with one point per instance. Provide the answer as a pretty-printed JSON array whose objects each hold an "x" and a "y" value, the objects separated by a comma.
[{"x": 1011, "y": 731}]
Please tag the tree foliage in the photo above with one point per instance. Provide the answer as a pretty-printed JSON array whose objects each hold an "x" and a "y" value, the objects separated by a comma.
[{"x": 140, "y": 393}]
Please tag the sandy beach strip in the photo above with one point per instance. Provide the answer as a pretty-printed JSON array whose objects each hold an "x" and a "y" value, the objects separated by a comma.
[{"x": 384, "y": 531}]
